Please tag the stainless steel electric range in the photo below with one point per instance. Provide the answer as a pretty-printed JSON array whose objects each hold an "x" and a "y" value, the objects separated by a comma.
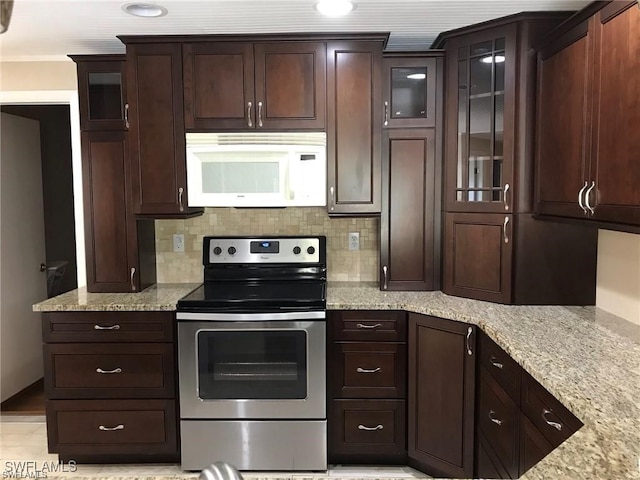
[{"x": 251, "y": 349}]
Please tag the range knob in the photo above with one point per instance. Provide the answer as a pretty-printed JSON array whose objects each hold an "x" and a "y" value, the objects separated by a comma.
[
  {"x": 231, "y": 250},
  {"x": 217, "y": 251},
  {"x": 296, "y": 250},
  {"x": 311, "y": 250}
]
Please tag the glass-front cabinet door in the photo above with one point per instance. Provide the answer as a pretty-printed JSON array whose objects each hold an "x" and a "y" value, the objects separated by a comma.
[
  {"x": 409, "y": 87},
  {"x": 480, "y": 81},
  {"x": 101, "y": 92}
]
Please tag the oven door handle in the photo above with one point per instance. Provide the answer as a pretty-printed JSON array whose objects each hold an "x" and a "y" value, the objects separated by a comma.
[{"x": 250, "y": 317}]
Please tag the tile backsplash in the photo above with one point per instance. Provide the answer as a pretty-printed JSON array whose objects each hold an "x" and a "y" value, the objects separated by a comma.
[{"x": 342, "y": 264}]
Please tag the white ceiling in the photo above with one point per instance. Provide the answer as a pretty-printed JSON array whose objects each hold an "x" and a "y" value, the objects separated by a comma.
[{"x": 51, "y": 29}]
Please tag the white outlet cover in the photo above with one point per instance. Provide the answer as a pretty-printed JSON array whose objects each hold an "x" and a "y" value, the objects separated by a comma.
[
  {"x": 178, "y": 242},
  {"x": 354, "y": 241}
]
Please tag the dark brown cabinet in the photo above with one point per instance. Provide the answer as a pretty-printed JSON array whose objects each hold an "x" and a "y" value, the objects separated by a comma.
[
  {"x": 589, "y": 82},
  {"x": 441, "y": 406},
  {"x": 111, "y": 394},
  {"x": 157, "y": 136},
  {"x": 367, "y": 387},
  {"x": 354, "y": 126},
  {"x": 242, "y": 85},
  {"x": 494, "y": 248}
]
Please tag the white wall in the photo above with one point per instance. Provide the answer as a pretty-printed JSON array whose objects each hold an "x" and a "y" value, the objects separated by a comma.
[{"x": 618, "y": 283}]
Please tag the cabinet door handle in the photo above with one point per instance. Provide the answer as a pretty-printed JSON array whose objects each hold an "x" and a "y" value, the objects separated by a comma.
[
  {"x": 111, "y": 429},
  {"x": 504, "y": 197},
  {"x": 332, "y": 201},
  {"x": 260, "y": 114},
  {"x": 386, "y": 113},
  {"x": 580, "y": 197},
  {"x": 370, "y": 429},
  {"x": 493, "y": 419},
  {"x": 362, "y": 325},
  {"x": 180, "y": 193},
  {"x": 385, "y": 275},
  {"x": 112, "y": 327},
  {"x": 469, "y": 332},
  {"x": 133, "y": 275},
  {"x": 364, "y": 370},
  {"x": 126, "y": 116},
  {"x": 494, "y": 361},
  {"x": 556, "y": 425},
  {"x": 504, "y": 230},
  {"x": 249, "y": 122},
  {"x": 115, "y": 370},
  {"x": 586, "y": 198}
]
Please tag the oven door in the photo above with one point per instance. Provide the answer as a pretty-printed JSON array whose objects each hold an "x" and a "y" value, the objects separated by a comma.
[{"x": 256, "y": 369}]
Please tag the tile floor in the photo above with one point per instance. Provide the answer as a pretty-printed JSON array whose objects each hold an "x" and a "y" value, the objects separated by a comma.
[{"x": 24, "y": 439}]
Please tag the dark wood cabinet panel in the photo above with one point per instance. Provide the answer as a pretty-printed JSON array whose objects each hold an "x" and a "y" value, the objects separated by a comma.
[
  {"x": 408, "y": 252},
  {"x": 478, "y": 256},
  {"x": 354, "y": 127},
  {"x": 441, "y": 395},
  {"x": 506, "y": 372},
  {"x": 368, "y": 325},
  {"x": 533, "y": 445},
  {"x": 486, "y": 465}
]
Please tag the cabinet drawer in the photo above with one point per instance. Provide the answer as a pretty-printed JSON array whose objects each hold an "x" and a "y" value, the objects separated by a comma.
[
  {"x": 501, "y": 366},
  {"x": 369, "y": 325},
  {"x": 94, "y": 427},
  {"x": 109, "y": 371},
  {"x": 370, "y": 370},
  {"x": 107, "y": 327},
  {"x": 498, "y": 420},
  {"x": 366, "y": 427},
  {"x": 546, "y": 413}
]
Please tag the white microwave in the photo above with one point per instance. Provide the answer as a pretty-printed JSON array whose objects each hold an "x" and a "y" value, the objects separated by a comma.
[{"x": 265, "y": 169}]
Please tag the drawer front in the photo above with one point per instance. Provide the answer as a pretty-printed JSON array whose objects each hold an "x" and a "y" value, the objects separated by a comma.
[
  {"x": 501, "y": 366},
  {"x": 498, "y": 420},
  {"x": 111, "y": 426},
  {"x": 367, "y": 427},
  {"x": 546, "y": 413},
  {"x": 109, "y": 371},
  {"x": 369, "y": 325},
  {"x": 70, "y": 327},
  {"x": 486, "y": 465},
  {"x": 370, "y": 370}
]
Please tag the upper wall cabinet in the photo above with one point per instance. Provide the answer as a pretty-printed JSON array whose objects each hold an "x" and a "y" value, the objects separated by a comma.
[
  {"x": 240, "y": 85},
  {"x": 354, "y": 127},
  {"x": 589, "y": 86}
]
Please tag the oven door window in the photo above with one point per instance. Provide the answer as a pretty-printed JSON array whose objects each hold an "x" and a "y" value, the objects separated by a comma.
[{"x": 264, "y": 364}]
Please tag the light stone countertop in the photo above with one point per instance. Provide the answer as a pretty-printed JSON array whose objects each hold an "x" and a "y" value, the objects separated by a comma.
[{"x": 587, "y": 358}]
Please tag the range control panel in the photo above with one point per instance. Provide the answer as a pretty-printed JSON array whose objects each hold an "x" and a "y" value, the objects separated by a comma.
[{"x": 264, "y": 250}]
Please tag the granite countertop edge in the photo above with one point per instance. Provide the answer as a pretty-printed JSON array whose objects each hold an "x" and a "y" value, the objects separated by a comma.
[{"x": 572, "y": 351}]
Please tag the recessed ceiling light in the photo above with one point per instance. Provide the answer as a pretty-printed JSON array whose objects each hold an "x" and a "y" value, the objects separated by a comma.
[
  {"x": 417, "y": 76},
  {"x": 148, "y": 10},
  {"x": 334, "y": 8},
  {"x": 489, "y": 59}
]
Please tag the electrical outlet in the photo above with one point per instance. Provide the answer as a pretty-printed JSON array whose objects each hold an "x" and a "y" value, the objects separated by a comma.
[
  {"x": 178, "y": 242},
  {"x": 354, "y": 241}
]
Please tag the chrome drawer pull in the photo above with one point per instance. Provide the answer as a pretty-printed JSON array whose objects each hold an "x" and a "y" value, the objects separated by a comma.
[
  {"x": 370, "y": 429},
  {"x": 586, "y": 198},
  {"x": 115, "y": 370},
  {"x": 362, "y": 370},
  {"x": 362, "y": 325},
  {"x": 111, "y": 429},
  {"x": 580, "y": 198},
  {"x": 556, "y": 425},
  {"x": 112, "y": 327},
  {"x": 494, "y": 420},
  {"x": 495, "y": 362}
]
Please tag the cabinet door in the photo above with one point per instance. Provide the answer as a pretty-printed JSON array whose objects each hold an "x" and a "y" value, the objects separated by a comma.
[
  {"x": 481, "y": 89},
  {"x": 441, "y": 395},
  {"x": 218, "y": 86},
  {"x": 158, "y": 165},
  {"x": 290, "y": 85},
  {"x": 615, "y": 160},
  {"x": 101, "y": 93},
  {"x": 407, "y": 252},
  {"x": 562, "y": 114},
  {"x": 478, "y": 252},
  {"x": 354, "y": 127},
  {"x": 409, "y": 89},
  {"x": 110, "y": 229}
]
